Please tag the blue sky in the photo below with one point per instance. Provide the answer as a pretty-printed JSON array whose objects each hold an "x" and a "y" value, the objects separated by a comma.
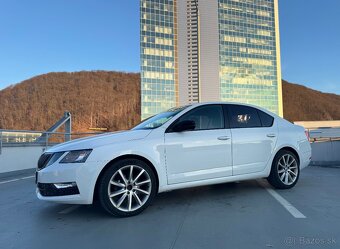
[{"x": 40, "y": 36}]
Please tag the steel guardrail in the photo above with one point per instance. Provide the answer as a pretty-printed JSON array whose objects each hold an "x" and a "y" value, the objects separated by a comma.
[
  {"x": 33, "y": 142},
  {"x": 324, "y": 134}
]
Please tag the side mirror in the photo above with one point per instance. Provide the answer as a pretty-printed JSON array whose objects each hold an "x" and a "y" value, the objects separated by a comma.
[{"x": 185, "y": 125}]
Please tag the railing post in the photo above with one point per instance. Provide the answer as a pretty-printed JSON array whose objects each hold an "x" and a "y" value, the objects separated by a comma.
[
  {"x": 68, "y": 127},
  {"x": 46, "y": 141},
  {"x": 0, "y": 142}
]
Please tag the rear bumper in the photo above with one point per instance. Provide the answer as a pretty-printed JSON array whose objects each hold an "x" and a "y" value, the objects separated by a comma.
[{"x": 305, "y": 159}]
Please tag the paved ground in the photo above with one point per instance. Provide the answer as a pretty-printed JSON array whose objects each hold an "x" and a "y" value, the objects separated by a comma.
[{"x": 238, "y": 215}]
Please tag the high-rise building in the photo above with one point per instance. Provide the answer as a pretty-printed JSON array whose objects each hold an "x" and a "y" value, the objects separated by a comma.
[{"x": 209, "y": 50}]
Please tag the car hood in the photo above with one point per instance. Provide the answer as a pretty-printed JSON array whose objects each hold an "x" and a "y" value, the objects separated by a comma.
[{"x": 100, "y": 140}]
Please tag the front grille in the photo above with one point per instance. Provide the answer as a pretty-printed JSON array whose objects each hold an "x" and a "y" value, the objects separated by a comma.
[
  {"x": 48, "y": 189},
  {"x": 43, "y": 160}
]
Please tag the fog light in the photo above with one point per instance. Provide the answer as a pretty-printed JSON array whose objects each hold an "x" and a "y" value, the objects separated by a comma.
[
  {"x": 65, "y": 185},
  {"x": 58, "y": 189}
]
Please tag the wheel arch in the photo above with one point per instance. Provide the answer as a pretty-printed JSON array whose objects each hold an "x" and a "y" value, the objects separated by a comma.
[
  {"x": 290, "y": 149},
  {"x": 122, "y": 157},
  {"x": 274, "y": 178}
]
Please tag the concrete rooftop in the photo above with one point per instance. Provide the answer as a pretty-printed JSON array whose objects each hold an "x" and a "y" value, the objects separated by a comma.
[{"x": 236, "y": 215}]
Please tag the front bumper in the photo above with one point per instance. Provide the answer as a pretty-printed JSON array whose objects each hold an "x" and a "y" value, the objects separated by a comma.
[
  {"x": 53, "y": 189},
  {"x": 84, "y": 175}
]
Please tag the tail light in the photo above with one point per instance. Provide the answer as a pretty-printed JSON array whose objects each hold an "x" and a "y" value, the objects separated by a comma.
[{"x": 307, "y": 134}]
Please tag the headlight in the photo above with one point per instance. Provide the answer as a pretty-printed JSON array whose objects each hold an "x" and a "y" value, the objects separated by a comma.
[{"x": 76, "y": 156}]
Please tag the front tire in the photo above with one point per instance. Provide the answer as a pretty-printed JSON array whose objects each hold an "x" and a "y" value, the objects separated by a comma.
[
  {"x": 127, "y": 187},
  {"x": 285, "y": 170}
]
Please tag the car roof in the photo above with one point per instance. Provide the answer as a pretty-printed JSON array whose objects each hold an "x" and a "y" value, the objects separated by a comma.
[{"x": 232, "y": 103}]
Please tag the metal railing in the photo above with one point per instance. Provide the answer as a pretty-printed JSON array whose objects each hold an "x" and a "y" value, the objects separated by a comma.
[
  {"x": 12, "y": 138},
  {"x": 16, "y": 138},
  {"x": 324, "y": 134}
]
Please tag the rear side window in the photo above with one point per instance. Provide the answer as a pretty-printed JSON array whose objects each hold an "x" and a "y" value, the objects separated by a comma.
[
  {"x": 243, "y": 117},
  {"x": 266, "y": 119}
]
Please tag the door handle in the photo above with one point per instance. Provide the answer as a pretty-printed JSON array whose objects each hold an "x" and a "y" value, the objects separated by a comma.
[
  {"x": 271, "y": 135},
  {"x": 223, "y": 138}
]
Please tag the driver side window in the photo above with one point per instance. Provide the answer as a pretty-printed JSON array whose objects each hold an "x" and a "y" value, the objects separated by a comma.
[{"x": 207, "y": 117}]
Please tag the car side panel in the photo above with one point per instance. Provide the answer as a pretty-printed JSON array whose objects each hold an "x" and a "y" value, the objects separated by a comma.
[
  {"x": 252, "y": 148},
  {"x": 86, "y": 175},
  {"x": 151, "y": 149},
  {"x": 293, "y": 136}
]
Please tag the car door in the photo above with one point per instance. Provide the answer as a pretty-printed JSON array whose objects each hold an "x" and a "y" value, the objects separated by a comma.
[
  {"x": 202, "y": 153},
  {"x": 254, "y": 136}
]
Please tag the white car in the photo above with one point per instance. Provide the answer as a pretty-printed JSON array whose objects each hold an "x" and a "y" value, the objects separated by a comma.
[{"x": 200, "y": 144}]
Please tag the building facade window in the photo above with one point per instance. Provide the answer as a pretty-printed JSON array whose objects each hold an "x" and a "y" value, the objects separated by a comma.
[
  {"x": 247, "y": 45},
  {"x": 245, "y": 69},
  {"x": 159, "y": 89}
]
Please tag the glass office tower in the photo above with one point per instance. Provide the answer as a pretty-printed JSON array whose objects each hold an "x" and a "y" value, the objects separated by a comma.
[
  {"x": 209, "y": 50},
  {"x": 249, "y": 53},
  {"x": 159, "y": 77}
]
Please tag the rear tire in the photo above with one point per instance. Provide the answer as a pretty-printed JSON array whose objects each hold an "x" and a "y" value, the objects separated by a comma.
[
  {"x": 127, "y": 187},
  {"x": 285, "y": 170}
]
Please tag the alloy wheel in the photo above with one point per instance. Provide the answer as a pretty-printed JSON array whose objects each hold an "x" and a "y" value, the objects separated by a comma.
[
  {"x": 129, "y": 188},
  {"x": 287, "y": 169}
]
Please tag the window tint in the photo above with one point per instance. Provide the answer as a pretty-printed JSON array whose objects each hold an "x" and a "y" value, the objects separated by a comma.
[
  {"x": 266, "y": 119},
  {"x": 243, "y": 117},
  {"x": 206, "y": 117}
]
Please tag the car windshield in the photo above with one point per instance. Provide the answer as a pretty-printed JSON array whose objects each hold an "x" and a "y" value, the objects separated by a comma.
[{"x": 159, "y": 119}]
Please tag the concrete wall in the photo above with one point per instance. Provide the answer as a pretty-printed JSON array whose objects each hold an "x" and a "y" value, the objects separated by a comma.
[
  {"x": 326, "y": 153},
  {"x": 19, "y": 158},
  {"x": 209, "y": 51},
  {"x": 182, "y": 52},
  {"x": 209, "y": 82}
]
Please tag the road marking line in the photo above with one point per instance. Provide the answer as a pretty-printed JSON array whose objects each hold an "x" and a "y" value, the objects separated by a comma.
[
  {"x": 17, "y": 179},
  {"x": 69, "y": 209},
  {"x": 27, "y": 177},
  {"x": 286, "y": 204}
]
